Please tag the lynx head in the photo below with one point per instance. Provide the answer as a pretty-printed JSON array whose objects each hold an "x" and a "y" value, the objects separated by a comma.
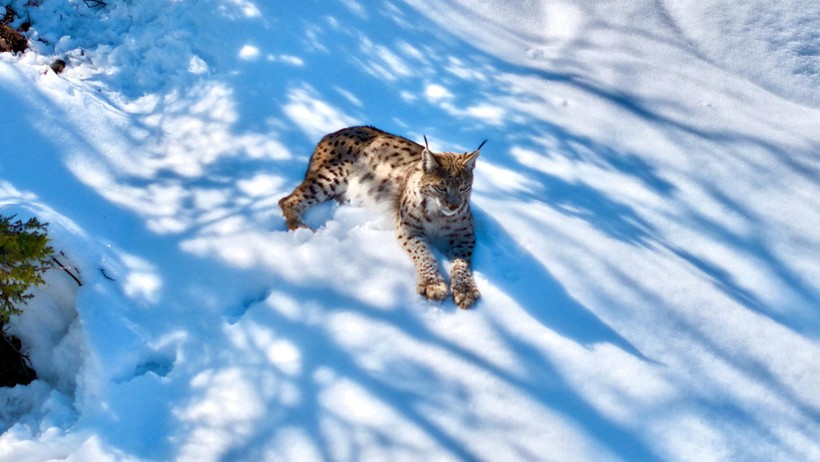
[{"x": 448, "y": 178}]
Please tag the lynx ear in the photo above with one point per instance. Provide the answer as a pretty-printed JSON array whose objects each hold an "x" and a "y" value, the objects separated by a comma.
[
  {"x": 469, "y": 159},
  {"x": 428, "y": 159}
]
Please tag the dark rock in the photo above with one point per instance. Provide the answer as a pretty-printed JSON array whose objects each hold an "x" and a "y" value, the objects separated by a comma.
[{"x": 58, "y": 66}]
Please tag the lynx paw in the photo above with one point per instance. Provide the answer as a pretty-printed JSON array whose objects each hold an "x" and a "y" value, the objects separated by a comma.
[
  {"x": 465, "y": 293},
  {"x": 433, "y": 289},
  {"x": 293, "y": 225}
]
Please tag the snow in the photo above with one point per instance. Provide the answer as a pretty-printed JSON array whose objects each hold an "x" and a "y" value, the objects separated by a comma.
[{"x": 646, "y": 210}]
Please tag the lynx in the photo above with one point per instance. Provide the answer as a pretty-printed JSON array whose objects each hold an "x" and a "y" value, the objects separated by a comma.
[{"x": 429, "y": 193}]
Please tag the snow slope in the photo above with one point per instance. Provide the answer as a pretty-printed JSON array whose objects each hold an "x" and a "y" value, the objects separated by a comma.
[{"x": 646, "y": 208}]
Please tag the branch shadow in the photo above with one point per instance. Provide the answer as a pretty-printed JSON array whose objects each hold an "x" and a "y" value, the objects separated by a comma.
[
  {"x": 325, "y": 363},
  {"x": 514, "y": 270},
  {"x": 409, "y": 386}
]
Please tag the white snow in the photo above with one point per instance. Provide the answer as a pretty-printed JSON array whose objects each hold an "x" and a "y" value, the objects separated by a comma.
[{"x": 646, "y": 208}]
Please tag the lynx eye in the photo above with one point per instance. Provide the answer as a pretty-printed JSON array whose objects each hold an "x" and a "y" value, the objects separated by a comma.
[{"x": 440, "y": 187}]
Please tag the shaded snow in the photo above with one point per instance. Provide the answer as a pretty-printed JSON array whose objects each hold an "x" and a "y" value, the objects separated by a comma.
[{"x": 646, "y": 211}]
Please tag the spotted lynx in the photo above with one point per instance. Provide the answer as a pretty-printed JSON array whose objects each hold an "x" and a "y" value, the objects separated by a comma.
[{"x": 429, "y": 193}]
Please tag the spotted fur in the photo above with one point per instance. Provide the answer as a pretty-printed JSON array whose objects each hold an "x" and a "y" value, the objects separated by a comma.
[{"x": 429, "y": 193}]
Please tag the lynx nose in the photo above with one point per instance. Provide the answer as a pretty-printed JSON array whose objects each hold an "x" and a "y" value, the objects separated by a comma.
[{"x": 452, "y": 204}]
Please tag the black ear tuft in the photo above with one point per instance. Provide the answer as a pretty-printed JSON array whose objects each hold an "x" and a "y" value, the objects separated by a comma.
[
  {"x": 469, "y": 159},
  {"x": 480, "y": 145}
]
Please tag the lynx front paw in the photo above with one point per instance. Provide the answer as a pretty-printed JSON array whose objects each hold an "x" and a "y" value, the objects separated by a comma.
[
  {"x": 435, "y": 289},
  {"x": 465, "y": 293}
]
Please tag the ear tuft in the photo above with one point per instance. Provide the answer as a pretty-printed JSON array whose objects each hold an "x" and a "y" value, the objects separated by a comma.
[{"x": 469, "y": 159}]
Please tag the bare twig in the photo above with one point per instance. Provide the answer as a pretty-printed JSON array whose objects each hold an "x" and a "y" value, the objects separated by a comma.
[
  {"x": 105, "y": 275},
  {"x": 67, "y": 270}
]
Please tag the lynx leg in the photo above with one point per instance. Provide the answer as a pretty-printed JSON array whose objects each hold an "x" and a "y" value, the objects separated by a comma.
[
  {"x": 293, "y": 206},
  {"x": 305, "y": 196},
  {"x": 465, "y": 292},
  {"x": 430, "y": 282}
]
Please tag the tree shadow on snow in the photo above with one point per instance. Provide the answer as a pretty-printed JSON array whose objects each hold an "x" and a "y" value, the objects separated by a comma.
[
  {"x": 410, "y": 387},
  {"x": 517, "y": 273},
  {"x": 513, "y": 269}
]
